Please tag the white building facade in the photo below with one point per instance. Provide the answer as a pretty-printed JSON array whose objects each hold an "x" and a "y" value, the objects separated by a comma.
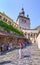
[{"x": 24, "y": 25}]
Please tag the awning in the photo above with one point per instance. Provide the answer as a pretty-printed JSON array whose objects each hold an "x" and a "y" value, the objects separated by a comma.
[{"x": 2, "y": 33}]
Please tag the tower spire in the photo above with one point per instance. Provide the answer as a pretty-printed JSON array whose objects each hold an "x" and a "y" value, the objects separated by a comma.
[{"x": 22, "y": 13}]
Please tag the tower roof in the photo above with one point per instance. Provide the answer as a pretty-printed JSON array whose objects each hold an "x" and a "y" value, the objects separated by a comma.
[{"x": 22, "y": 13}]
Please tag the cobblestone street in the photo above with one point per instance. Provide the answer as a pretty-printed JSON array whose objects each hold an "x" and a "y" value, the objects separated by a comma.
[{"x": 31, "y": 56}]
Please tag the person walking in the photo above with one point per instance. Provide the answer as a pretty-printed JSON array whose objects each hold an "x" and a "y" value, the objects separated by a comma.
[
  {"x": 20, "y": 50},
  {"x": 10, "y": 46}
]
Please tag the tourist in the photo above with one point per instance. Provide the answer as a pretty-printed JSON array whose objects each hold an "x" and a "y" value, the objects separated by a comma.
[
  {"x": 20, "y": 50},
  {"x": 10, "y": 46},
  {"x": 0, "y": 49},
  {"x": 7, "y": 46}
]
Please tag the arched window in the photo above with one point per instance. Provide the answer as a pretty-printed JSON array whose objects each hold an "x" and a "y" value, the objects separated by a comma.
[
  {"x": 4, "y": 19},
  {"x": 25, "y": 33},
  {"x": 9, "y": 22},
  {"x": 0, "y": 17},
  {"x": 31, "y": 34}
]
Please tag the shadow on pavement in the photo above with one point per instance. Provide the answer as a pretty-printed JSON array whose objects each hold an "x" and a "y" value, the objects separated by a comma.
[
  {"x": 26, "y": 56},
  {"x": 5, "y": 52},
  {"x": 5, "y": 62}
]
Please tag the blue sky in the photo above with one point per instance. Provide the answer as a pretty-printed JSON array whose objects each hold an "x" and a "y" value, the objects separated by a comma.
[{"x": 13, "y": 7}]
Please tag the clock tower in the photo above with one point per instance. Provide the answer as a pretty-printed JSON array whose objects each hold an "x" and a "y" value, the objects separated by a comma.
[{"x": 23, "y": 21}]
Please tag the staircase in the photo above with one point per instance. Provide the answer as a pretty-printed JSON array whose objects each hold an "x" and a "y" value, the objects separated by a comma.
[
  {"x": 34, "y": 53},
  {"x": 31, "y": 56}
]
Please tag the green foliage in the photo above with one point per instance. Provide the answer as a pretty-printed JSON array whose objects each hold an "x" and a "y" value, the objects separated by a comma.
[{"x": 10, "y": 28}]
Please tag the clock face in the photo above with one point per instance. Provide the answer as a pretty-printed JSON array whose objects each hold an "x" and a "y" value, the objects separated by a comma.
[
  {"x": 24, "y": 24},
  {"x": 23, "y": 21}
]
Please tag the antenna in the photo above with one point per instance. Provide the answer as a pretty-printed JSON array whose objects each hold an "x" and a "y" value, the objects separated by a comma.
[{"x": 22, "y": 5}]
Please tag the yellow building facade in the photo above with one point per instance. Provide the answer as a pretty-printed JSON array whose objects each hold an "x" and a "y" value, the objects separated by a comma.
[{"x": 23, "y": 24}]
